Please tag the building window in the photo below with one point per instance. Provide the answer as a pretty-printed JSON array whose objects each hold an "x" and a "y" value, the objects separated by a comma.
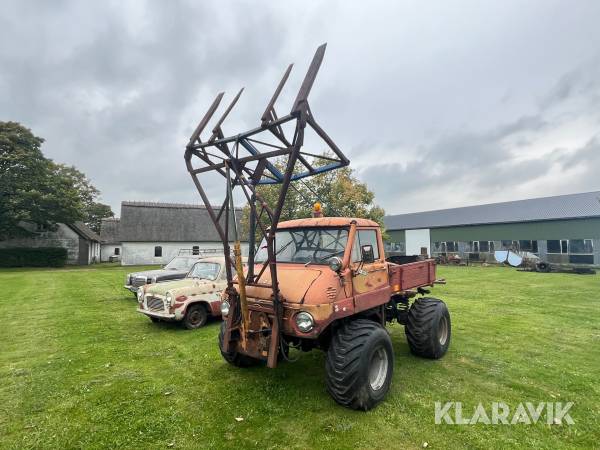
[
  {"x": 581, "y": 246},
  {"x": 452, "y": 246},
  {"x": 491, "y": 246},
  {"x": 558, "y": 246},
  {"x": 528, "y": 246},
  {"x": 484, "y": 246},
  {"x": 195, "y": 250},
  {"x": 117, "y": 251},
  {"x": 157, "y": 251}
]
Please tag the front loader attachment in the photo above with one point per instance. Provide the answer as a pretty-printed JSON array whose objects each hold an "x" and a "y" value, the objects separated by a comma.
[{"x": 246, "y": 160}]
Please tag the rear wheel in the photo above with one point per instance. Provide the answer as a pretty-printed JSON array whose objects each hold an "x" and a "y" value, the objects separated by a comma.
[
  {"x": 195, "y": 317},
  {"x": 360, "y": 364},
  {"x": 428, "y": 328},
  {"x": 233, "y": 357}
]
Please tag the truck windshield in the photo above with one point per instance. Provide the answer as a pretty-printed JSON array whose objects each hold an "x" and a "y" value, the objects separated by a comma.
[
  {"x": 306, "y": 245},
  {"x": 205, "y": 271},
  {"x": 180, "y": 263}
]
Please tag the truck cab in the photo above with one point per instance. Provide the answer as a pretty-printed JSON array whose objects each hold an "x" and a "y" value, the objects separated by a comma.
[{"x": 329, "y": 270}]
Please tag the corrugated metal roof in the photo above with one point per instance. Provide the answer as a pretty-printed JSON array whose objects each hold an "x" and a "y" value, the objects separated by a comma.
[
  {"x": 167, "y": 222},
  {"x": 571, "y": 206}
]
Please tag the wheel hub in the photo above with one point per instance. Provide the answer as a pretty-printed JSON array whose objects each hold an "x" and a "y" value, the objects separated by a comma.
[
  {"x": 378, "y": 369},
  {"x": 442, "y": 333}
]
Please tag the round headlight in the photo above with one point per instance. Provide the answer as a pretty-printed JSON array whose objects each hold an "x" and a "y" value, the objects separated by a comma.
[
  {"x": 225, "y": 307},
  {"x": 140, "y": 294},
  {"x": 335, "y": 264},
  {"x": 169, "y": 298},
  {"x": 304, "y": 321}
]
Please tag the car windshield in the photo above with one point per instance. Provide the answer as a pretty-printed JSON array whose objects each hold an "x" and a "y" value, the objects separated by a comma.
[
  {"x": 306, "y": 245},
  {"x": 205, "y": 270},
  {"x": 181, "y": 263}
]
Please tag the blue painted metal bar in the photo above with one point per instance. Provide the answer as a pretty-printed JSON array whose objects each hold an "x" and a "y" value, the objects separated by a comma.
[{"x": 254, "y": 151}]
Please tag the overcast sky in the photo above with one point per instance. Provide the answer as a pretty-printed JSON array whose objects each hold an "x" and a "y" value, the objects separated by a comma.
[{"x": 437, "y": 104}]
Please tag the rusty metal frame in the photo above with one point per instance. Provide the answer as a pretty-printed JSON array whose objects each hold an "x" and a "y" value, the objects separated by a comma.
[{"x": 247, "y": 160}]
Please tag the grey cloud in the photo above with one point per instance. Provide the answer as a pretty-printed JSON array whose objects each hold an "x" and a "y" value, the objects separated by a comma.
[{"x": 116, "y": 88}]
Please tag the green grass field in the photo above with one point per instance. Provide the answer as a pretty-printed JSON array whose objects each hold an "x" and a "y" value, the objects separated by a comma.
[{"x": 81, "y": 369}]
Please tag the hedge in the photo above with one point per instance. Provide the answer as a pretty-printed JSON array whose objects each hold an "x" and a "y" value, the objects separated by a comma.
[{"x": 33, "y": 257}]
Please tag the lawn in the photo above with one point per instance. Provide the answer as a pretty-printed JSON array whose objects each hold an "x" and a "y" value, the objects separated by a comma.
[{"x": 81, "y": 369}]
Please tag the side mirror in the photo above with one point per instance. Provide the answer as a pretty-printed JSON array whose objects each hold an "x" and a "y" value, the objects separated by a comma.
[{"x": 366, "y": 252}]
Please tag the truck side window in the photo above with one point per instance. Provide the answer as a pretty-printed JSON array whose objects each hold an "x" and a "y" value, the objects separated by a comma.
[{"x": 365, "y": 237}]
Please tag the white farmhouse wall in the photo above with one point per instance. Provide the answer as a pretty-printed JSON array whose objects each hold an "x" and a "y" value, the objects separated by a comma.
[
  {"x": 415, "y": 239},
  {"x": 63, "y": 236},
  {"x": 108, "y": 250},
  {"x": 141, "y": 253}
]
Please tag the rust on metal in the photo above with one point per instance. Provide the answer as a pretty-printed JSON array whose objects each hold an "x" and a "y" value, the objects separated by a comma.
[{"x": 247, "y": 160}]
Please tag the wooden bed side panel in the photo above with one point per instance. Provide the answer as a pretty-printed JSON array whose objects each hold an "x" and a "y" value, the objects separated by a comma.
[{"x": 412, "y": 275}]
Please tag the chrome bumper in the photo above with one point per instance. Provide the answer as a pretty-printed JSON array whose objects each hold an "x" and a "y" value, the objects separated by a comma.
[{"x": 158, "y": 314}]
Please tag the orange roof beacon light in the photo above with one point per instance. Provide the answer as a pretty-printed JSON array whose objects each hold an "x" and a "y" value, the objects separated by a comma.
[{"x": 317, "y": 210}]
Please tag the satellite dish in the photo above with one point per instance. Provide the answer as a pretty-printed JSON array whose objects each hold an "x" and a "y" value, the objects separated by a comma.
[
  {"x": 509, "y": 257},
  {"x": 501, "y": 256},
  {"x": 514, "y": 259}
]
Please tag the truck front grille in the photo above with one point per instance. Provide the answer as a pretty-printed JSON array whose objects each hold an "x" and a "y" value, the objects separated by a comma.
[{"x": 154, "y": 303}]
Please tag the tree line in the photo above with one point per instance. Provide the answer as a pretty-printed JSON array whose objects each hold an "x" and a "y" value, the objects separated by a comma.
[{"x": 37, "y": 190}]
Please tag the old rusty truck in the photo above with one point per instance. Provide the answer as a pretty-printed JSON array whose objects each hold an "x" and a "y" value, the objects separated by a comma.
[
  {"x": 191, "y": 300},
  {"x": 320, "y": 282}
]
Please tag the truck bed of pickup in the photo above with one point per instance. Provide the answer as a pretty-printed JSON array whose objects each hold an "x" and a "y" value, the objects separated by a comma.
[{"x": 404, "y": 277}]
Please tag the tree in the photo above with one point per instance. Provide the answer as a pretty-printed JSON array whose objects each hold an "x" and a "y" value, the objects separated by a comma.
[
  {"x": 93, "y": 212},
  {"x": 339, "y": 192},
  {"x": 37, "y": 190}
]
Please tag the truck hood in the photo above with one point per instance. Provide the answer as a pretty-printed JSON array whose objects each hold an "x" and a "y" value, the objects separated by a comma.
[
  {"x": 160, "y": 273},
  {"x": 162, "y": 288},
  {"x": 294, "y": 282}
]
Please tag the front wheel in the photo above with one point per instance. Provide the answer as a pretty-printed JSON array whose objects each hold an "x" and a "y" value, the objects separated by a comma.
[
  {"x": 232, "y": 357},
  {"x": 428, "y": 328},
  {"x": 195, "y": 317},
  {"x": 360, "y": 364}
]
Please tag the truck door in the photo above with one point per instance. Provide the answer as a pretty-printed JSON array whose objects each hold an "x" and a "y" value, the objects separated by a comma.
[{"x": 369, "y": 279}]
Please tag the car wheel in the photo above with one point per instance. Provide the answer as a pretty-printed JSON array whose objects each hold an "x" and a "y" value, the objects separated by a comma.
[{"x": 195, "y": 317}]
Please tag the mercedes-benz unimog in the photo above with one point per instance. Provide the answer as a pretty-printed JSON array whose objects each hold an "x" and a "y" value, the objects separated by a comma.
[{"x": 320, "y": 282}]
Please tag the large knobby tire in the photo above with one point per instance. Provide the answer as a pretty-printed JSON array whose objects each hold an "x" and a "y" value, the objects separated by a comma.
[
  {"x": 232, "y": 357},
  {"x": 360, "y": 364},
  {"x": 195, "y": 316},
  {"x": 428, "y": 328}
]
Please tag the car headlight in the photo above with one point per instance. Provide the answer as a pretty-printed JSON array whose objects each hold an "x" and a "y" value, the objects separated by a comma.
[
  {"x": 304, "y": 321},
  {"x": 335, "y": 264},
  {"x": 140, "y": 295},
  {"x": 225, "y": 307},
  {"x": 169, "y": 298}
]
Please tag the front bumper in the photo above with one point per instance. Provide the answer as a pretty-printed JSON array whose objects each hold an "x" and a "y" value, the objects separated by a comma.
[{"x": 158, "y": 314}]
